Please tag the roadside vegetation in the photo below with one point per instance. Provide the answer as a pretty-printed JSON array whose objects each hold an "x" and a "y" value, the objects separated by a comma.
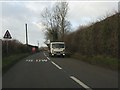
[
  {"x": 97, "y": 43},
  {"x": 99, "y": 60},
  {"x": 11, "y": 60},
  {"x": 15, "y": 52}
]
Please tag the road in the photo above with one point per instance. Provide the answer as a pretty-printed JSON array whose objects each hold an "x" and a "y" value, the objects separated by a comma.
[{"x": 41, "y": 71}]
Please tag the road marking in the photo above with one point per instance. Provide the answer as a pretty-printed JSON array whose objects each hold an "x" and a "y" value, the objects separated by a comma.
[
  {"x": 44, "y": 53},
  {"x": 48, "y": 58},
  {"x": 36, "y": 60},
  {"x": 56, "y": 65},
  {"x": 28, "y": 60},
  {"x": 80, "y": 83},
  {"x": 44, "y": 60}
]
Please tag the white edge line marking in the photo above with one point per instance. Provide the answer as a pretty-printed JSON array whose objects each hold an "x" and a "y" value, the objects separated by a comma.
[
  {"x": 80, "y": 83},
  {"x": 56, "y": 65}
]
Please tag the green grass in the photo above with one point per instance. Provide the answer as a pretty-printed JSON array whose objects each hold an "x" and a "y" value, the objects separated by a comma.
[
  {"x": 9, "y": 61},
  {"x": 100, "y": 60}
]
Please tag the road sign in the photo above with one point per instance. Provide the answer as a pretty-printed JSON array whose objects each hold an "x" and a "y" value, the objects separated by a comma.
[{"x": 7, "y": 35}]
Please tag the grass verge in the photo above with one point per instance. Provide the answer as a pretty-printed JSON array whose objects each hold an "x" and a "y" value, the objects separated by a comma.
[
  {"x": 9, "y": 61},
  {"x": 99, "y": 60}
]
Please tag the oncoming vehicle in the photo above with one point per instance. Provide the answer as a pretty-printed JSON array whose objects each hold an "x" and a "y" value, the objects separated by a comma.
[{"x": 57, "y": 48}]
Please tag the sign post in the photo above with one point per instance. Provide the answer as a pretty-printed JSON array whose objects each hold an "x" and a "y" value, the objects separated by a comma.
[{"x": 7, "y": 36}]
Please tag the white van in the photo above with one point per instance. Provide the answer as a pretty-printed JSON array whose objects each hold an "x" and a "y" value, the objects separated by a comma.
[{"x": 57, "y": 48}]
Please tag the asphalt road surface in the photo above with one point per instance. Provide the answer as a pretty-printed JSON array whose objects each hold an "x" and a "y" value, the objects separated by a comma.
[{"x": 41, "y": 71}]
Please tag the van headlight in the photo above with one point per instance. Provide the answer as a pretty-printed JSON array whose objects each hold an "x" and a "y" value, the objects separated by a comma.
[{"x": 63, "y": 54}]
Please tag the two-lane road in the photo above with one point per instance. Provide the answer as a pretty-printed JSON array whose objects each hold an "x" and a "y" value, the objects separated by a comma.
[
  {"x": 37, "y": 71},
  {"x": 41, "y": 71}
]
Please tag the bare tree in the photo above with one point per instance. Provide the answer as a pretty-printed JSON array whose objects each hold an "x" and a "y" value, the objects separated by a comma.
[
  {"x": 62, "y": 9},
  {"x": 55, "y": 21}
]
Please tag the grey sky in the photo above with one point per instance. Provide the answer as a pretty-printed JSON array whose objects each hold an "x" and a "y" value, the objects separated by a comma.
[{"x": 16, "y": 14}]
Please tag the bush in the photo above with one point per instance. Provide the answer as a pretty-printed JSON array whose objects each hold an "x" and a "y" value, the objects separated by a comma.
[
  {"x": 100, "y": 60},
  {"x": 14, "y": 47},
  {"x": 101, "y": 38}
]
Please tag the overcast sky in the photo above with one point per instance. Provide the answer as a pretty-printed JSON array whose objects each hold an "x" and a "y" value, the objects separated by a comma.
[{"x": 16, "y": 14}]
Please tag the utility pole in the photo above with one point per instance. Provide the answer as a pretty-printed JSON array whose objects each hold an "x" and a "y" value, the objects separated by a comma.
[
  {"x": 7, "y": 46},
  {"x": 26, "y": 35},
  {"x": 38, "y": 43}
]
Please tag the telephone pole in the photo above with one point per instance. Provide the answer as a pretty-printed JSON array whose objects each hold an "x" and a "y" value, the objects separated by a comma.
[
  {"x": 26, "y": 35},
  {"x": 38, "y": 43}
]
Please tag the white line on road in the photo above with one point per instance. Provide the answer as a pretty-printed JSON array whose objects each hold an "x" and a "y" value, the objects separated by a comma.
[
  {"x": 80, "y": 83},
  {"x": 48, "y": 58},
  {"x": 44, "y": 60},
  {"x": 56, "y": 65},
  {"x": 44, "y": 53}
]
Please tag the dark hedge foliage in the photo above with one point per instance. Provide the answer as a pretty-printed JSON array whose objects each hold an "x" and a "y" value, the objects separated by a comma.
[{"x": 100, "y": 38}]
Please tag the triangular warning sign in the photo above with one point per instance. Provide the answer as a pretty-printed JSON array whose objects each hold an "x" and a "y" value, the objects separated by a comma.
[{"x": 7, "y": 35}]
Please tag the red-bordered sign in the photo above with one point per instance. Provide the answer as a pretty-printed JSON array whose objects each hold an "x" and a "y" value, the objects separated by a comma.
[{"x": 7, "y": 35}]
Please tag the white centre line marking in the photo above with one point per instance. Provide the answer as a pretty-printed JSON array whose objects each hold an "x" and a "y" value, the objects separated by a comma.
[
  {"x": 80, "y": 83},
  {"x": 56, "y": 65},
  {"x": 44, "y": 54},
  {"x": 48, "y": 58}
]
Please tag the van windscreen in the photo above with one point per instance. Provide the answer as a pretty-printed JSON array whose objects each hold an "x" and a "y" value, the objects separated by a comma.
[{"x": 57, "y": 45}]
